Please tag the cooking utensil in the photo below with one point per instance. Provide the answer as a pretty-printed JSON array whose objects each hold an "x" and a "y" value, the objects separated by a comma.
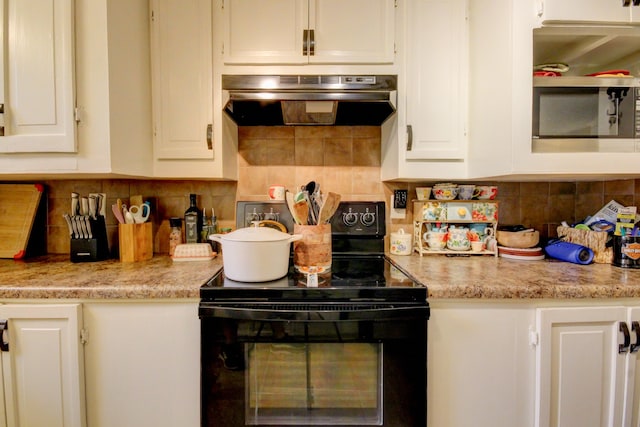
[
  {"x": 301, "y": 210},
  {"x": 288, "y": 196},
  {"x": 136, "y": 200},
  {"x": 329, "y": 207},
  {"x": 255, "y": 254},
  {"x": 140, "y": 213},
  {"x": 117, "y": 212}
]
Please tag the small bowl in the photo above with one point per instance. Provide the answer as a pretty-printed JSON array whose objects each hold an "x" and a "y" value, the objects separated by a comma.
[
  {"x": 445, "y": 193},
  {"x": 518, "y": 239}
]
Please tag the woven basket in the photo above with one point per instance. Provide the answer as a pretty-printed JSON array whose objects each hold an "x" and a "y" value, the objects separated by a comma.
[{"x": 595, "y": 240}]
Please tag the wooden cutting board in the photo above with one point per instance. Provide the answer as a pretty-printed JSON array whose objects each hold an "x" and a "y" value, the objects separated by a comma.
[{"x": 18, "y": 207}]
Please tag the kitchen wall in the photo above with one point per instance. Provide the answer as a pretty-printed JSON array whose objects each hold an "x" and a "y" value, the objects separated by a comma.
[{"x": 345, "y": 160}]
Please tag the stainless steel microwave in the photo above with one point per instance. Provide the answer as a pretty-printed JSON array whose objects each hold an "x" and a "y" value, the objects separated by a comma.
[{"x": 586, "y": 114}]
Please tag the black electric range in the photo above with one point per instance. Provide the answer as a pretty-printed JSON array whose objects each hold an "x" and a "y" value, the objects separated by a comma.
[{"x": 359, "y": 267}]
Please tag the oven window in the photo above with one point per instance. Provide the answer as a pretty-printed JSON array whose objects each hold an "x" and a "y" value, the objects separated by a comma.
[{"x": 313, "y": 383}]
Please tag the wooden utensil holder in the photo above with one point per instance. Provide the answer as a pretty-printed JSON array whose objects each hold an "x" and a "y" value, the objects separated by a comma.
[{"x": 136, "y": 242}]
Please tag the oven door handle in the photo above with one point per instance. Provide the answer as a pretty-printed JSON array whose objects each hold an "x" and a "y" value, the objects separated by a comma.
[{"x": 212, "y": 310}]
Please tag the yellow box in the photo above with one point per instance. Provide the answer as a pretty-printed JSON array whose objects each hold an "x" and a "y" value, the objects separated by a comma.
[{"x": 136, "y": 242}]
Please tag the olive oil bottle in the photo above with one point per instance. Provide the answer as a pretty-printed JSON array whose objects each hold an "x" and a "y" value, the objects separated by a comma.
[{"x": 192, "y": 221}]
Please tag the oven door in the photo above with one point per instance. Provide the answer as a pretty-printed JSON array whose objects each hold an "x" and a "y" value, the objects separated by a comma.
[{"x": 271, "y": 365}]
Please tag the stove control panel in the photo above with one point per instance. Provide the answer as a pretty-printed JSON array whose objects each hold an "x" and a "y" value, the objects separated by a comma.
[
  {"x": 359, "y": 219},
  {"x": 350, "y": 219}
]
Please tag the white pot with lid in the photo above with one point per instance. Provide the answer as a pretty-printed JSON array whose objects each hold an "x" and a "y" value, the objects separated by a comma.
[{"x": 255, "y": 254}]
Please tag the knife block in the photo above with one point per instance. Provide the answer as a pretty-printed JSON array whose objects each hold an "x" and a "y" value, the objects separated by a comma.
[
  {"x": 136, "y": 242},
  {"x": 94, "y": 249}
]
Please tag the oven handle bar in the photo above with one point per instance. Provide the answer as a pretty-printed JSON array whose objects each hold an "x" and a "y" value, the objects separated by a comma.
[{"x": 212, "y": 310}]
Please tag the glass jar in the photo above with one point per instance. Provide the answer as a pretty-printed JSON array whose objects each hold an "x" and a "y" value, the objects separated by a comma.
[{"x": 175, "y": 235}]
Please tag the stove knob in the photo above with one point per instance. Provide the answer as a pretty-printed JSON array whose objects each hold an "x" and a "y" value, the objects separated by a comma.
[
  {"x": 349, "y": 218},
  {"x": 368, "y": 218}
]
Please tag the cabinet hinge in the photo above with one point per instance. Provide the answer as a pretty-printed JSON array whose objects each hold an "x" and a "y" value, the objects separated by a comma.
[
  {"x": 534, "y": 338},
  {"x": 395, "y": 3},
  {"x": 84, "y": 336},
  {"x": 77, "y": 114},
  {"x": 222, "y": 4}
]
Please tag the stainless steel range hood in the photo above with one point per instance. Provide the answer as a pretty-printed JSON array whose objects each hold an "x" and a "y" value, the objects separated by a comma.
[{"x": 347, "y": 100}]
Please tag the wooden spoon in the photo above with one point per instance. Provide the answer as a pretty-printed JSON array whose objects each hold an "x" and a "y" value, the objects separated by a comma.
[
  {"x": 301, "y": 210},
  {"x": 329, "y": 207}
]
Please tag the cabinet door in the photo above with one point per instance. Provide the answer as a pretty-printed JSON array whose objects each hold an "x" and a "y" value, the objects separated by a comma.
[
  {"x": 182, "y": 79},
  {"x": 436, "y": 75},
  {"x": 632, "y": 389},
  {"x": 37, "y": 75},
  {"x": 580, "y": 374},
  {"x": 354, "y": 31},
  {"x": 143, "y": 364},
  {"x": 43, "y": 369},
  {"x": 265, "y": 32},
  {"x": 584, "y": 10}
]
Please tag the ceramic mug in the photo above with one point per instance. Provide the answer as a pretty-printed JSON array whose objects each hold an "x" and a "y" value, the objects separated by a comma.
[
  {"x": 436, "y": 240},
  {"x": 485, "y": 192},
  {"x": 458, "y": 239},
  {"x": 465, "y": 192},
  {"x": 481, "y": 229},
  {"x": 276, "y": 192}
]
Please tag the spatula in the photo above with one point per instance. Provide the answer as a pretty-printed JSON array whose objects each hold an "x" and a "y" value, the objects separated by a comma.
[
  {"x": 301, "y": 210},
  {"x": 329, "y": 206}
]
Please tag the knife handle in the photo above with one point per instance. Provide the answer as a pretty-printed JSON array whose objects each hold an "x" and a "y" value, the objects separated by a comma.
[
  {"x": 68, "y": 220},
  {"x": 75, "y": 203},
  {"x": 84, "y": 206},
  {"x": 93, "y": 207}
]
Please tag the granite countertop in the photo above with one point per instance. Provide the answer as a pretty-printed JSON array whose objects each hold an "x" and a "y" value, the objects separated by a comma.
[
  {"x": 492, "y": 277},
  {"x": 473, "y": 277},
  {"x": 54, "y": 276}
]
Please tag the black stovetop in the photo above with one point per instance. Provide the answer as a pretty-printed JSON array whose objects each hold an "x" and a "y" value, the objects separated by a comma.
[
  {"x": 365, "y": 276},
  {"x": 359, "y": 268}
]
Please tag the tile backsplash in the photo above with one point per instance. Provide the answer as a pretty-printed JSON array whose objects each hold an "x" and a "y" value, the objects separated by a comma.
[{"x": 345, "y": 160}]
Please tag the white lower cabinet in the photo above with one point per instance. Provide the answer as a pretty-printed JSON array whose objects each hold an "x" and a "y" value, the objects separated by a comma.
[
  {"x": 587, "y": 367},
  {"x": 142, "y": 364},
  {"x": 42, "y": 366},
  {"x": 480, "y": 365}
]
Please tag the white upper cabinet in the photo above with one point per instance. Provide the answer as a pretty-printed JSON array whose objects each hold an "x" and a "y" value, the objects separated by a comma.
[
  {"x": 37, "y": 92},
  {"x": 429, "y": 140},
  {"x": 182, "y": 78},
  {"x": 192, "y": 138},
  {"x": 436, "y": 73},
  {"x": 588, "y": 10},
  {"x": 308, "y": 31}
]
